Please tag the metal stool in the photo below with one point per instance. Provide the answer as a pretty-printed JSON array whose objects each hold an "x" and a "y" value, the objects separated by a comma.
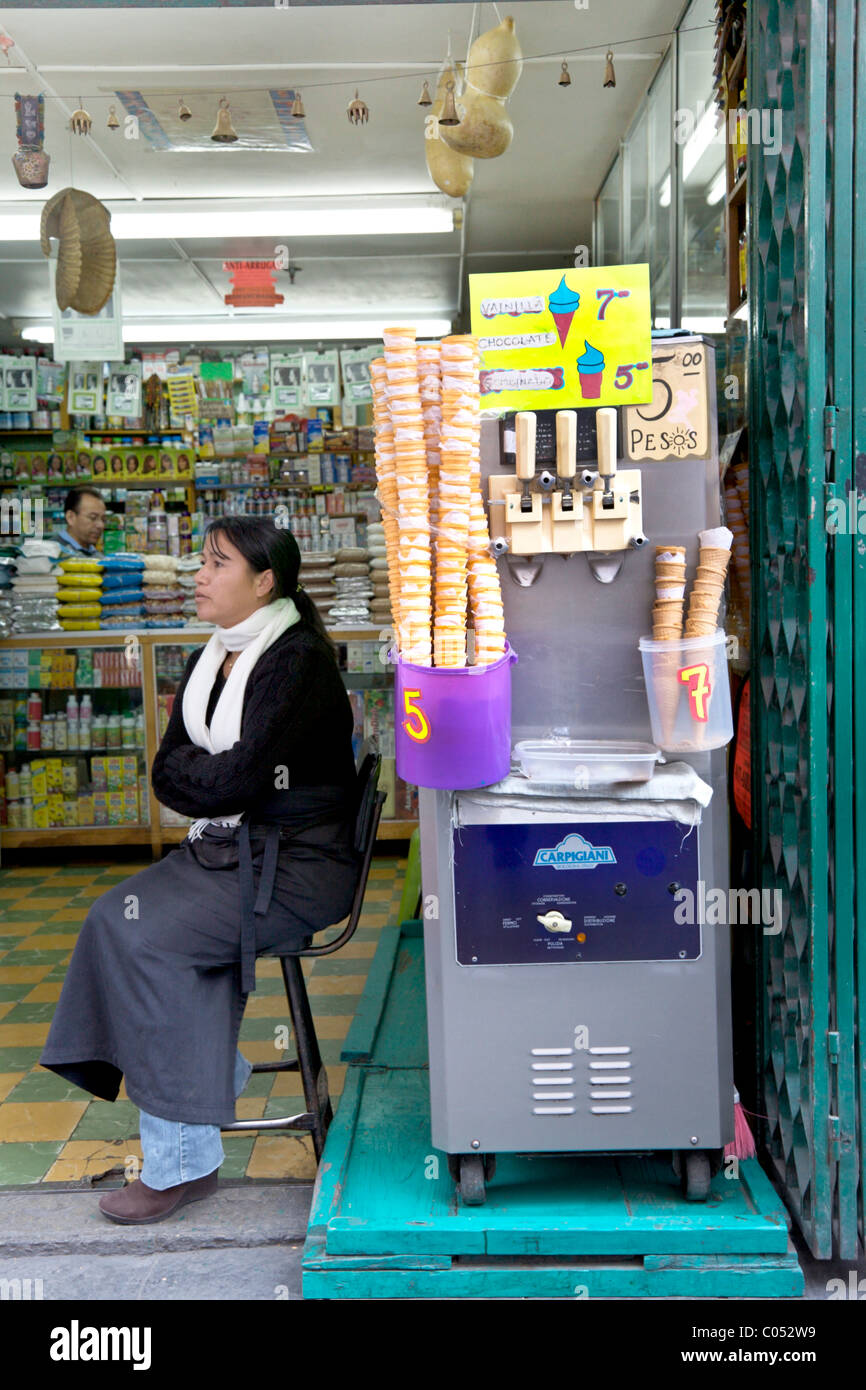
[{"x": 318, "y": 1114}]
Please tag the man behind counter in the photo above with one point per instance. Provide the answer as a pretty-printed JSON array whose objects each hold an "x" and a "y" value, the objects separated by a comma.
[{"x": 85, "y": 522}]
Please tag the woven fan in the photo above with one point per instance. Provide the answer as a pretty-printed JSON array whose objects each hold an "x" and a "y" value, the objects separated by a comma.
[{"x": 87, "y": 256}]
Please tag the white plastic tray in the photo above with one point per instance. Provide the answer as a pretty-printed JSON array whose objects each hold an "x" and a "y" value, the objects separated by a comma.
[{"x": 586, "y": 762}]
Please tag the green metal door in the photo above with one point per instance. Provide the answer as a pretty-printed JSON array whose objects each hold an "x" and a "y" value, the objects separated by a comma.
[{"x": 807, "y": 402}]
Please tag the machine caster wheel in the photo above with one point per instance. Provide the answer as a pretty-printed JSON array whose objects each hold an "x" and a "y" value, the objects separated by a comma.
[
  {"x": 454, "y": 1161},
  {"x": 471, "y": 1181},
  {"x": 695, "y": 1174}
]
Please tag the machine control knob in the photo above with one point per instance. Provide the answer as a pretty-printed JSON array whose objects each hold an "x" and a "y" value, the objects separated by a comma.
[{"x": 554, "y": 921}]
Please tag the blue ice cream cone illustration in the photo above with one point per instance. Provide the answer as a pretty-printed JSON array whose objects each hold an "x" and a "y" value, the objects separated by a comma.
[
  {"x": 563, "y": 306},
  {"x": 590, "y": 366}
]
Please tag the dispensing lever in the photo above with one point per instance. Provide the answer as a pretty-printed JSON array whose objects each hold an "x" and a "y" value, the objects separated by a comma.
[
  {"x": 566, "y": 453},
  {"x": 605, "y": 425},
  {"x": 525, "y": 428}
]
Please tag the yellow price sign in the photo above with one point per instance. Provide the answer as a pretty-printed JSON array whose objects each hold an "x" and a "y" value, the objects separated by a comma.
[{"x": 557, "y": 339}]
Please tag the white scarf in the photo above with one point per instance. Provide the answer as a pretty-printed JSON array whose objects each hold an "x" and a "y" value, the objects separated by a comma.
[{"x": 252, "y": 637}]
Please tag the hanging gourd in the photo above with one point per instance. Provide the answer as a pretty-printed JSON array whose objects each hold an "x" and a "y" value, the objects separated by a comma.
[
  {"x": 493, "y": 71},
  {"x": 452, "y": 173}
]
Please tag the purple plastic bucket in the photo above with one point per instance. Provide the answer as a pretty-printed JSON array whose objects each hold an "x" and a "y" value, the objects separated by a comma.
[{"x": 452, "y": 727}]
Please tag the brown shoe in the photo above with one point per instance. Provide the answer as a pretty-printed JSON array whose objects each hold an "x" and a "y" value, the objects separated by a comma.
[{"x": 137, "y": 1204}]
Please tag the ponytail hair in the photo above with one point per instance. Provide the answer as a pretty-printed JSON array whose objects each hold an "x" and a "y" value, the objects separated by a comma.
[{"x": 266, "y": 546}]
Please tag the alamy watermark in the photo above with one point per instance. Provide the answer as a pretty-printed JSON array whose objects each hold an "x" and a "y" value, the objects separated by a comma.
[
  {"x": 752, "y": 126},
  {"x": 716, "y": 907},
  {"x": 21, "y": 518}
]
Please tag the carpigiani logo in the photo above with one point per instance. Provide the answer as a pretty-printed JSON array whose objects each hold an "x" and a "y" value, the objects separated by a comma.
[{"x": 574, "y": 852}]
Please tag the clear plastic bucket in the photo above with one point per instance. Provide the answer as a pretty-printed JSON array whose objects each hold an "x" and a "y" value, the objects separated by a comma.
[
  {"x": 689, "y": 692},
  {"x": 452, "y": 726}
]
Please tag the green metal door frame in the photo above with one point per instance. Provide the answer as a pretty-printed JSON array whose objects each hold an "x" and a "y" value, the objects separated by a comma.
[{"x": 807, "y": 427}]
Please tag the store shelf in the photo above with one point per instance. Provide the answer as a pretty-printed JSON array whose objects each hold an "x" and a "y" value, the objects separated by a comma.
[
  {"x": 17, "y": 433},
  {"x": 67, "y": 835}
]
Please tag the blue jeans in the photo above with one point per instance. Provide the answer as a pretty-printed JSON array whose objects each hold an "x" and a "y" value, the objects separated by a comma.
[{"x": 175, "y": 1152}]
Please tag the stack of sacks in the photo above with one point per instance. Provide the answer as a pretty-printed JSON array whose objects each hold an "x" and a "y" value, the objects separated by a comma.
[
  {"x": 34, "y": 588},
  {"x": 353, "y": 587},
  {"x": 386, "y": 477},
  {"x": 79, "y": 593},
  {"x": 122, "y": 590},
  {"x": 317, "y": 578},
  {"x": 706, "y": 595},
  {"x": 163, "y": 595},
  {"x": 187, "y": 569},
  {"x": 430, "y": 391},
  {"x": 413, "y": 521},
  {"x": 380, "y": 605}
]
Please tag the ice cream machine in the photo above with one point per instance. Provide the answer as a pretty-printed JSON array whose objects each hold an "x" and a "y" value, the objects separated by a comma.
[{"x": 572, "y": 1008}]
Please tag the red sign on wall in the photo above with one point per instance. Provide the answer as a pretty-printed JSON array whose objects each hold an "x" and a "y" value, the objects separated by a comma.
[{"x": 252, "y": 284}]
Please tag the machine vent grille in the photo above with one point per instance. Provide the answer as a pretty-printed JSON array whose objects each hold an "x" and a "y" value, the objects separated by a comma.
[
  {"x": 551, "y": 1078},
  {"x": 610, "y": 1080}
]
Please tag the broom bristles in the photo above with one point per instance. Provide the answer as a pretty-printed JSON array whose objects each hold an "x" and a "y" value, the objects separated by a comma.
[{"x": 743, "y": 1144}]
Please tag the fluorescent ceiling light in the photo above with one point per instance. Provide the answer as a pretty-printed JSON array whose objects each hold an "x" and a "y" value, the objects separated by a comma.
[
  {"x": 222, "y": 221},
  {"x": 250, "y": 331}
]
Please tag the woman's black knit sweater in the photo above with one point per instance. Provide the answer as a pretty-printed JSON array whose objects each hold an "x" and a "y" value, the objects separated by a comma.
[{"x": 296, "y": 736}]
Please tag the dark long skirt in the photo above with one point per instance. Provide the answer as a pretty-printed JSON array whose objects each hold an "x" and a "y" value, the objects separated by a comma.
[{"x": 153, "y": 989}]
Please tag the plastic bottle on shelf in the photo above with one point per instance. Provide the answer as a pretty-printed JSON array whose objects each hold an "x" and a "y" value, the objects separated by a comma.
[
  {"x": 73, "y": 723},
  {"x": 34, "y": 736},
  {"x": 34, "y": 706},
  {"x": 98, "y": 733},
  {"x": 114, "y": 732},
  {"x": 60, "y": 738},
  {"x": 127, "y": 736},
  {"x": 139, "y": 729},
  {"x": 13, "y": 785},
  {"x": 85, "y": 717},
  {"x": 47, "y": 728},
  {"x": 27, "y": 813},
  {"x": 25, "y": 781}
]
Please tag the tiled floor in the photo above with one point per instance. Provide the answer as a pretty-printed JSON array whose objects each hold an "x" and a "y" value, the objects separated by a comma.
[{"x": 50, "y": 1131}]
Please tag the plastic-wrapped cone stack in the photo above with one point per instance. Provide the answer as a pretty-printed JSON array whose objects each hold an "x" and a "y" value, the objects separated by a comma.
[
  {"x": 430, "y": 388},
  {"x": 706, "y": 595},
  {"x": 670, "y": 580},
  {"x": 460, "y": 426},
  {"x": 413, "y": 520},
  {"x": 386, "y": 477}
]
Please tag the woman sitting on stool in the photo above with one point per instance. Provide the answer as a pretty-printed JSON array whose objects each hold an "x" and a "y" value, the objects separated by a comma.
[{"x": 259, "y": 748}]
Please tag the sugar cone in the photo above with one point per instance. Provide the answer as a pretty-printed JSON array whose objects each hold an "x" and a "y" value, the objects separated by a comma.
[{"x": 665, "y": 665}]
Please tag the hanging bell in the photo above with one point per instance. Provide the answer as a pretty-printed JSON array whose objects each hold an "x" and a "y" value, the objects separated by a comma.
[
  {"x": 565, "y": 75},
  {"x": 449, "y": 110},
  {"x": 112, "y": 121},
  {"x": 224, "y": 131},
  {"x": 183, "y": 111},
  {"x": 425, "y": 98},
  {"x": 609, "y": 74},
  {"x": 298, "y": 107},
  {"x": 80, "y": 121},
  {"x": 358, "y": 111}
]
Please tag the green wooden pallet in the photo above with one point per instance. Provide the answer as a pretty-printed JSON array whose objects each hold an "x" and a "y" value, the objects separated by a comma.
[{"x": 385, "y": 1221}]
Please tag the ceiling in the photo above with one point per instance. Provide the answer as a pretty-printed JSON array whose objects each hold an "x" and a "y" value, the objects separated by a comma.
[{"x": 528, "y": 208}]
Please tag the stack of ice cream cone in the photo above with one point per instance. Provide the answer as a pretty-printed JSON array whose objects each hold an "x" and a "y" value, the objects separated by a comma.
[
  {"x": 706, "y": 594},
  {"x": 670, "y": 580},
  {"x": 430, "y": 389},
  {"x": 413, "y": 521},
  {"x": 460, "y": 425},
  {"x": 386, "y": 478}
]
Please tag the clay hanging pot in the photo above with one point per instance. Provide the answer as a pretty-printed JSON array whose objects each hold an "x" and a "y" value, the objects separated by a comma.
[
  {"x": 452, "y": 173},
  {"x": 493, "y": 70},
  {"x": 87, "y": 256},
  {"x": 30, "y": 161}
]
